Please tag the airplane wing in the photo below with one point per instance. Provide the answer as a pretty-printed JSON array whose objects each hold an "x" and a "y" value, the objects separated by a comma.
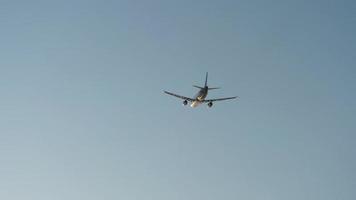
[
  {"x": 179, "y": 96},
  {"x": 220, "y": 99}
]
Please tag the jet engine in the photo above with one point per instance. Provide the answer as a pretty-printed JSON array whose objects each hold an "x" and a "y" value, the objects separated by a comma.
[
  {"x": 185, "y": 102},
  {"x": 210, "y": 104}
]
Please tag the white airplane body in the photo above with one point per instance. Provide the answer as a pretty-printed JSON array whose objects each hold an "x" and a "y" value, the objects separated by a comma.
[{"x": 199, "y": 98}]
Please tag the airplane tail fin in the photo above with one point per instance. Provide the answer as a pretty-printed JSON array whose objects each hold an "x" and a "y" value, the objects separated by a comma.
[
  {"x": 206, "y": 83},
  {"x": 206, "y": 79}
]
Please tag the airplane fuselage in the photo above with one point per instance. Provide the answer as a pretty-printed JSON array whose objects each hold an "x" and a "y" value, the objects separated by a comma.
[{"x": 199, "y": 97}]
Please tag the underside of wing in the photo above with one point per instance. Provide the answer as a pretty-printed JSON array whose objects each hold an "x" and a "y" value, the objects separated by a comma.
[
  {"x": 179, "y": 96},
  {"x": 220, "y": 99}
]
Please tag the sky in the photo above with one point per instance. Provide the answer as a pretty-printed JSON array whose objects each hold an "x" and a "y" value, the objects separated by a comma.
[{"x": 83, "y": 114}]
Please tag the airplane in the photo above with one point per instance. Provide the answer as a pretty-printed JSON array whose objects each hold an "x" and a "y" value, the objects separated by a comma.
[{"x": 199, "y": 98}]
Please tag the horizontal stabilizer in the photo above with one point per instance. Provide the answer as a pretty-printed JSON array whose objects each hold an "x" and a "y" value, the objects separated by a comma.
[
  {"x": 197, "y": 86},
  {"x": 213, "y": 88}
]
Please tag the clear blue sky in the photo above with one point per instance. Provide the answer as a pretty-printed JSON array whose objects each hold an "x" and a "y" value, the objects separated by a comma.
[{"x": 83, "y": 115}]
